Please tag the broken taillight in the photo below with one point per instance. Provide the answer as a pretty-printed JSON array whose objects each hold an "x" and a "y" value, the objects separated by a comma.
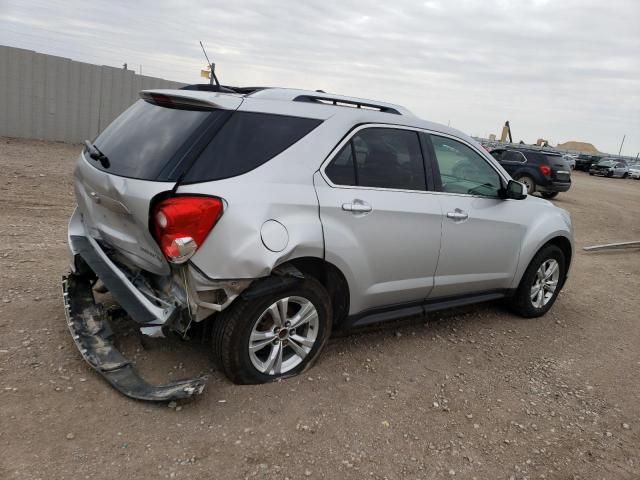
[{"x": 181, "y": 224}]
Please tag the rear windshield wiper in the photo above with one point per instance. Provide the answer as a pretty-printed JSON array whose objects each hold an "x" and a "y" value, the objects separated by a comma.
[{"x": 96, "y": 154}]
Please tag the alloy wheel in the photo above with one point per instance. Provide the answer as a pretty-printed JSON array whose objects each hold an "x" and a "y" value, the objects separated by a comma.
[
  {"x": 283, "y": 335},
  {"x": 545, "y": 283}
]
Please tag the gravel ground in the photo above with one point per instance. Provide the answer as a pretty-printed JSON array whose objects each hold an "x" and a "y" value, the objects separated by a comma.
[{"x": 473, "y": 393}]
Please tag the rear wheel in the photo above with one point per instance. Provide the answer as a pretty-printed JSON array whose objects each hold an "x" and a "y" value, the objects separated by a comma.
[
  {"x": 549, "y": 195},
  {"x": 625, "y": 175},
  {"x": 276, "y": 335},
  {"x": 529, "y": 183},
  {"x": 540, "y": 283}
]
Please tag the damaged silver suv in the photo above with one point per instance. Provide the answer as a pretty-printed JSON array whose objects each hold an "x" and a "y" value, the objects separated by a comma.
[{"x": 280, "y": 214}]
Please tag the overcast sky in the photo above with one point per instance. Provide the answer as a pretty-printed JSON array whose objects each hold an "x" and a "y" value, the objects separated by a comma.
[{"x": 561, "y": 70}]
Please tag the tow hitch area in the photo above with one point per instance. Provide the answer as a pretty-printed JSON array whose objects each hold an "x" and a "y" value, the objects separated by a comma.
[{"x": 92, "y": 335}]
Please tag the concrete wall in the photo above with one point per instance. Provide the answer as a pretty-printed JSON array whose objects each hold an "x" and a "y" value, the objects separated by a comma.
[{"x": 55, "y": 98}]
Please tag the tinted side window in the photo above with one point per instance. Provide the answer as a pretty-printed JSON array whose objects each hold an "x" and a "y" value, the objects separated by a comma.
[
  {"x": 497, "y": 154},
  {"x": 384, "y": 158},
  {"x": 342, "y": 169},
  {"x": 511, "y": 156},
  {"x": 463, "y": 170},
  {"x": 247, "y": 141}
]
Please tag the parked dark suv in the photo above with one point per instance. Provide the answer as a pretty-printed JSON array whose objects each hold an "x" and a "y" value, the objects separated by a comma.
[{"x": 542, "y": 171}]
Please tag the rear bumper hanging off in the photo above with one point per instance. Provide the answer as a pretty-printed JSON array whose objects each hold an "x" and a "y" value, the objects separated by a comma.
[{"x": 92, "y": 335}]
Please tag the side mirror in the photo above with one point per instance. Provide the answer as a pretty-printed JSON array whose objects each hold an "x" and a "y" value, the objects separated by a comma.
[{"x": 515, "y": 190}]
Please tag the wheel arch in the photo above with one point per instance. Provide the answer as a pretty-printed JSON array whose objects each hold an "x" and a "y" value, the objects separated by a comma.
[
  {"x": 564, "y": 244},
  {"x": 331, "y": 278},
  {"x": 559, "y": 239}
]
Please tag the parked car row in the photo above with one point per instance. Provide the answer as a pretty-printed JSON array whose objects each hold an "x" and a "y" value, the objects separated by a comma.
[
  {"x": 540, "y": 169},
  {"x": 610, "y": 167},
  {"x": 615, "y": 167}
]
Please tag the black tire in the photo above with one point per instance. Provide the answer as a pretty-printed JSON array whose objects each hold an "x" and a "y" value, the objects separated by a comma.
[
  {"x": 591, "y": 173},
  {"x": 549, "y": 195},
  {"x": 232, "y": 330},
  {"x": 625, "y": 175},
  {"x": 529, "y": 182},
  {"x": 521, "y": 302},
  {"x": 609, "y": 174}
]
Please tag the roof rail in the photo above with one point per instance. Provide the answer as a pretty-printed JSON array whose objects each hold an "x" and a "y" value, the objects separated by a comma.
[{"x": 342, "y": 102}]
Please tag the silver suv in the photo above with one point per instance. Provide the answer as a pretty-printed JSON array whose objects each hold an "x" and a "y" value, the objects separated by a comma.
[{"x": 278, "y": 215}]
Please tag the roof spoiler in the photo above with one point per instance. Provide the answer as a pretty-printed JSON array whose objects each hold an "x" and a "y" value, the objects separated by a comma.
[
  {"x": 205, "y": 87},
  {"x": 194, "y": 100}
]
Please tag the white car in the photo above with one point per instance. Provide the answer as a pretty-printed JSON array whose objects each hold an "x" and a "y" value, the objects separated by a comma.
[
  {"x": 634, "y": 171},
  {"x": 571, "y": 160}
]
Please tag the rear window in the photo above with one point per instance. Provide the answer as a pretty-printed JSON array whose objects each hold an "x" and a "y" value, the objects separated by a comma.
[
  {"x": 553, "y": 159},
  {"x": 247, "y": 141},
  {"x": 146, "y": 138}
]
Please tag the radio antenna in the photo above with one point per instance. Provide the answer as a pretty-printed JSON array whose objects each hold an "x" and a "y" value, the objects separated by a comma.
[{"x": 212, "y": 67}]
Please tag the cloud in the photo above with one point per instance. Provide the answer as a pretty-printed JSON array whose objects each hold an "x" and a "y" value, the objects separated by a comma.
[{"x": 562, "y": 70}]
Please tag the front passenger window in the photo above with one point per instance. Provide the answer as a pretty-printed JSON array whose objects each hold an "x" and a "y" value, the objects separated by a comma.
[{"x": 462, "y": 170}]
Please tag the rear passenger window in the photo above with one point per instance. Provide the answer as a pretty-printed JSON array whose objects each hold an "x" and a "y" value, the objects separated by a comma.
[
  {"x": 247, "y": 141},
  {"x": 497, "y": 154},
  {"x": 342, "y": 170},
  {"x": 511, "y": 156},
  {"x": 380, "y": 158}
]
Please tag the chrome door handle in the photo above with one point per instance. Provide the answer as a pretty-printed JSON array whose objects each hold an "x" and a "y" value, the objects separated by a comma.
[
  {"x": 458, "y": 215},
  {"x": 357, "y": 206}
]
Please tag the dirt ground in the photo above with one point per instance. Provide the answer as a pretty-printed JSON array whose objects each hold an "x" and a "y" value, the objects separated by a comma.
[{"x": 474, "y": 393}]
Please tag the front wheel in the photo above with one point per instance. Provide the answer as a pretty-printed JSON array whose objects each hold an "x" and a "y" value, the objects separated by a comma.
[
  {"x": 541, "y": 283},
  {"x": 275, "y": 335},
  {"x": 549, "y": 195}
]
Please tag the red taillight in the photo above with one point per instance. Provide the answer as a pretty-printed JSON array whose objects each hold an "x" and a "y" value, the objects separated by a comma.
[
  {"x": 181, "y": 224},
  {"x": 546, "y": 170}
]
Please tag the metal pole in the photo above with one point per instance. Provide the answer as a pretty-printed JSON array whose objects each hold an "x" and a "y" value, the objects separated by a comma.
[
  {"x": 622, "y": 143},
  {"x": 613, "y": 246}
]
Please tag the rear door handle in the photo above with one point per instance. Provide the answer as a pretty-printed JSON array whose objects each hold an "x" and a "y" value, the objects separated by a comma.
[
  {"x": 458, "y": 215},
  {"x": 357, "y": 206}
]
